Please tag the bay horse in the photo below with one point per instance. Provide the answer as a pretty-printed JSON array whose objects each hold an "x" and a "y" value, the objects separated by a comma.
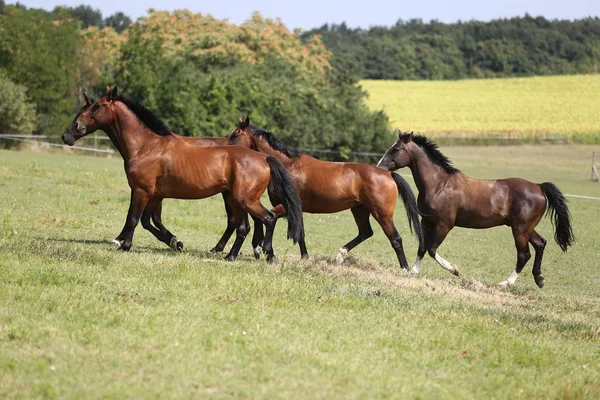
[
  {"x": 328, "y": 187},
  {"x": 161, "y": 165},
  {"x": 156, "y": 214},
  {"x": 448, "y": 198}
]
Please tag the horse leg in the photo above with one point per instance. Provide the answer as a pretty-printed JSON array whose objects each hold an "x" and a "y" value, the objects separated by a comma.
[
  {"x": 427, "y": 229},
  {"x": 239, "y": 220},
  {"x": 361, "y": 217},
  {"x": 230, "y": 224},
  {"x": 258, "y": 237},
  {"x": 164, "y": 237},
  {"x": 279, "y": 212},
  {"x": 523, "y": 255},
  {"x": 438, "y": 235},
  {"x": 156, "y": 214},
  {"x": 139, "y": 200},
  {"x": 119, "y": 239},
  {"x": 539, "y": 244},
  {"x": 387, "y": 224},
  {"x": 269, "y": 219}
]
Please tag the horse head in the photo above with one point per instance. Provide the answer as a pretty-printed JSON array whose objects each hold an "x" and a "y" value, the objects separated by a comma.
[
  {"x": 397, "y": 156},
  {"x": 241, "y": 136},
  {"x": 92, "y": 116}
]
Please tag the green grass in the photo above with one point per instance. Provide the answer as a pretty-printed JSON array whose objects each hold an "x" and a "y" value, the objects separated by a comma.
[
  {"x": 80, "y": 320},
  {"x": 524, "y": 108}
]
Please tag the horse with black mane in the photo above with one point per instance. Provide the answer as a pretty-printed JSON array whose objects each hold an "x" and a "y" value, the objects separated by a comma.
[
  {"x": 328, "y": 187},
  {"x": 448, "y": 198},
  {"x": 161, "y": 165},
  {"x": 156, "y": 214}
]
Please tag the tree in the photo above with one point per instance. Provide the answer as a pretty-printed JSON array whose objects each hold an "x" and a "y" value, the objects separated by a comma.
[
  {"x": 41, "y": 53},
  {"x": 84, "y": 13},
  {"x": 118, "y": 21},
  {"x": 17, "y": 114},
  {"x": 200, "y": 74}
]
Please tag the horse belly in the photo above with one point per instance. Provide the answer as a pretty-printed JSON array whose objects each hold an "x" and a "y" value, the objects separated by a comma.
[
  {"x": 476, "y": 220},
  {"x": 188, "y": 190},
  {"x": 316, "y": 204}
]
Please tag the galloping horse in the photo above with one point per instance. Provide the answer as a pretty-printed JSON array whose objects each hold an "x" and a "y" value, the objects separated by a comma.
[
  {"x": 448, "y": 198},
  {"x": 329, "y": 187},
  {"x": 157, "y": 213},
  {"x": 161, "y": 165}
]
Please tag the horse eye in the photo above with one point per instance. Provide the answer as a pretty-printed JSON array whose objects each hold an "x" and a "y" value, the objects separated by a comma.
[{"x": 94, "y": 108}]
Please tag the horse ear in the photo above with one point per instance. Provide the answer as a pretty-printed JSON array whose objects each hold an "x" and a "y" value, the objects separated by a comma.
[
  {"x": 411, "y": 136},
  {"x": 240, "y": 121},
  {"x": 87, "y": 100},
  {"x": 113, "y": 94},
  {"x": 399, "y": 134},
  {"x": 247, "y": 121},
  {"x": 107, "y": 90}
]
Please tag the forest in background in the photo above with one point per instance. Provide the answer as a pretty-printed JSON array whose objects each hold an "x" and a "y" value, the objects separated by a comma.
[
  {"x": 416, "y": 50},
  {"x": 199, "y": 73}
]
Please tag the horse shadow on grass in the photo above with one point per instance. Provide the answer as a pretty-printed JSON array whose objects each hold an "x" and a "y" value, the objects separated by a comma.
[{"x": 163, "y": 250}]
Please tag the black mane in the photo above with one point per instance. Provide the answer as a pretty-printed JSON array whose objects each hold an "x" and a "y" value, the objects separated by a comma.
[
  {"x": 435, "y": 155},
  {"x": 275, "y": 143},
  {"x": 154, "y": 123}
]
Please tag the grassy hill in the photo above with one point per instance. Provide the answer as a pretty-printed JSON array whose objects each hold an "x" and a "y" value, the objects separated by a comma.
[{"x": 528, "y": 108}]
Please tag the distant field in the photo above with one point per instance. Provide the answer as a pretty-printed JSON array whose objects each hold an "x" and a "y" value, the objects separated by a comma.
[
  {"x": 79, "y": 320},
  {"x": 537, "y": 107}
]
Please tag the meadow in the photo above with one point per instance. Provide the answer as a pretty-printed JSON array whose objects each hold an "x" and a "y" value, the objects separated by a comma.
[
  {"x": 521, "y": 108},
  {"x": 78, "y": 319}
]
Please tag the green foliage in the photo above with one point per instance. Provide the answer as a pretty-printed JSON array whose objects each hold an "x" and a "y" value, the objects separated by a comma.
[
  {"x": 41, "y": 53},
  {"x": 204, "y": 96},
  {"x": 118, "y": 21},
  {"x": 17, "y": 114},
  {"x": 84, "y": 13},
  {"x": 508, "y": 47}
]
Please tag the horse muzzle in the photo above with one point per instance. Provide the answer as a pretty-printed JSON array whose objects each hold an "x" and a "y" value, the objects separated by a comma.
[{"x": 72, "y": 134}]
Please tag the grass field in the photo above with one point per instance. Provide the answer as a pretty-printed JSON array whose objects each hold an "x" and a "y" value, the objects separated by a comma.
[
  {"x": 536, "y": 107},
  {"x": 80, "y": 320}
]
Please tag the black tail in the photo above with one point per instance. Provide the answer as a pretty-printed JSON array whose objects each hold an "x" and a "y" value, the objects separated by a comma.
[
  {"x": 282, "y": 186},
  {"x": 559, "y": 214},
  {"x": 410, "y": 203}
]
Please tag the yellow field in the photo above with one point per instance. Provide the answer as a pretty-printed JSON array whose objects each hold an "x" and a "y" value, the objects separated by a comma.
[{"x": 566, "y": 106}]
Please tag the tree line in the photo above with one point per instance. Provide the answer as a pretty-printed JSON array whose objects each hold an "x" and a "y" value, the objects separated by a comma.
[
  {"x": 199, "y": 73},
  {"x": 414, "y": 49}
]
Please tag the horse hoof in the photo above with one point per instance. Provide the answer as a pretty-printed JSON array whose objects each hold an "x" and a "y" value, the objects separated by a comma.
[
  {"x": 339, "y": 258},
  {"x": 117, "y": 242},
  {"x": 175, "y": 245},
  {"x": 124, "y": 248},
  {"x": 304, "y": 257},
  {"x": 455, "y": 271},
  {"x": 229, "y": 258},
  {"x": 271, "y": 258},
  {"x": 539, "y": 281},
  {"x": 257, "y": 250},
  {"x": 414, "y": 271}
]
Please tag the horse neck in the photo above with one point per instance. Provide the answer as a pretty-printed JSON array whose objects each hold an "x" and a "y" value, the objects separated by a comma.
[
  {"x": 262, "y": 146},
  {"x": 425, "y": 173},
  {"x": 127, "y": 132}
]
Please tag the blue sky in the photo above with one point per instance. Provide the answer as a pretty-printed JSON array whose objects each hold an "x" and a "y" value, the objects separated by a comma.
[{"x": 308, "y": 14}]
